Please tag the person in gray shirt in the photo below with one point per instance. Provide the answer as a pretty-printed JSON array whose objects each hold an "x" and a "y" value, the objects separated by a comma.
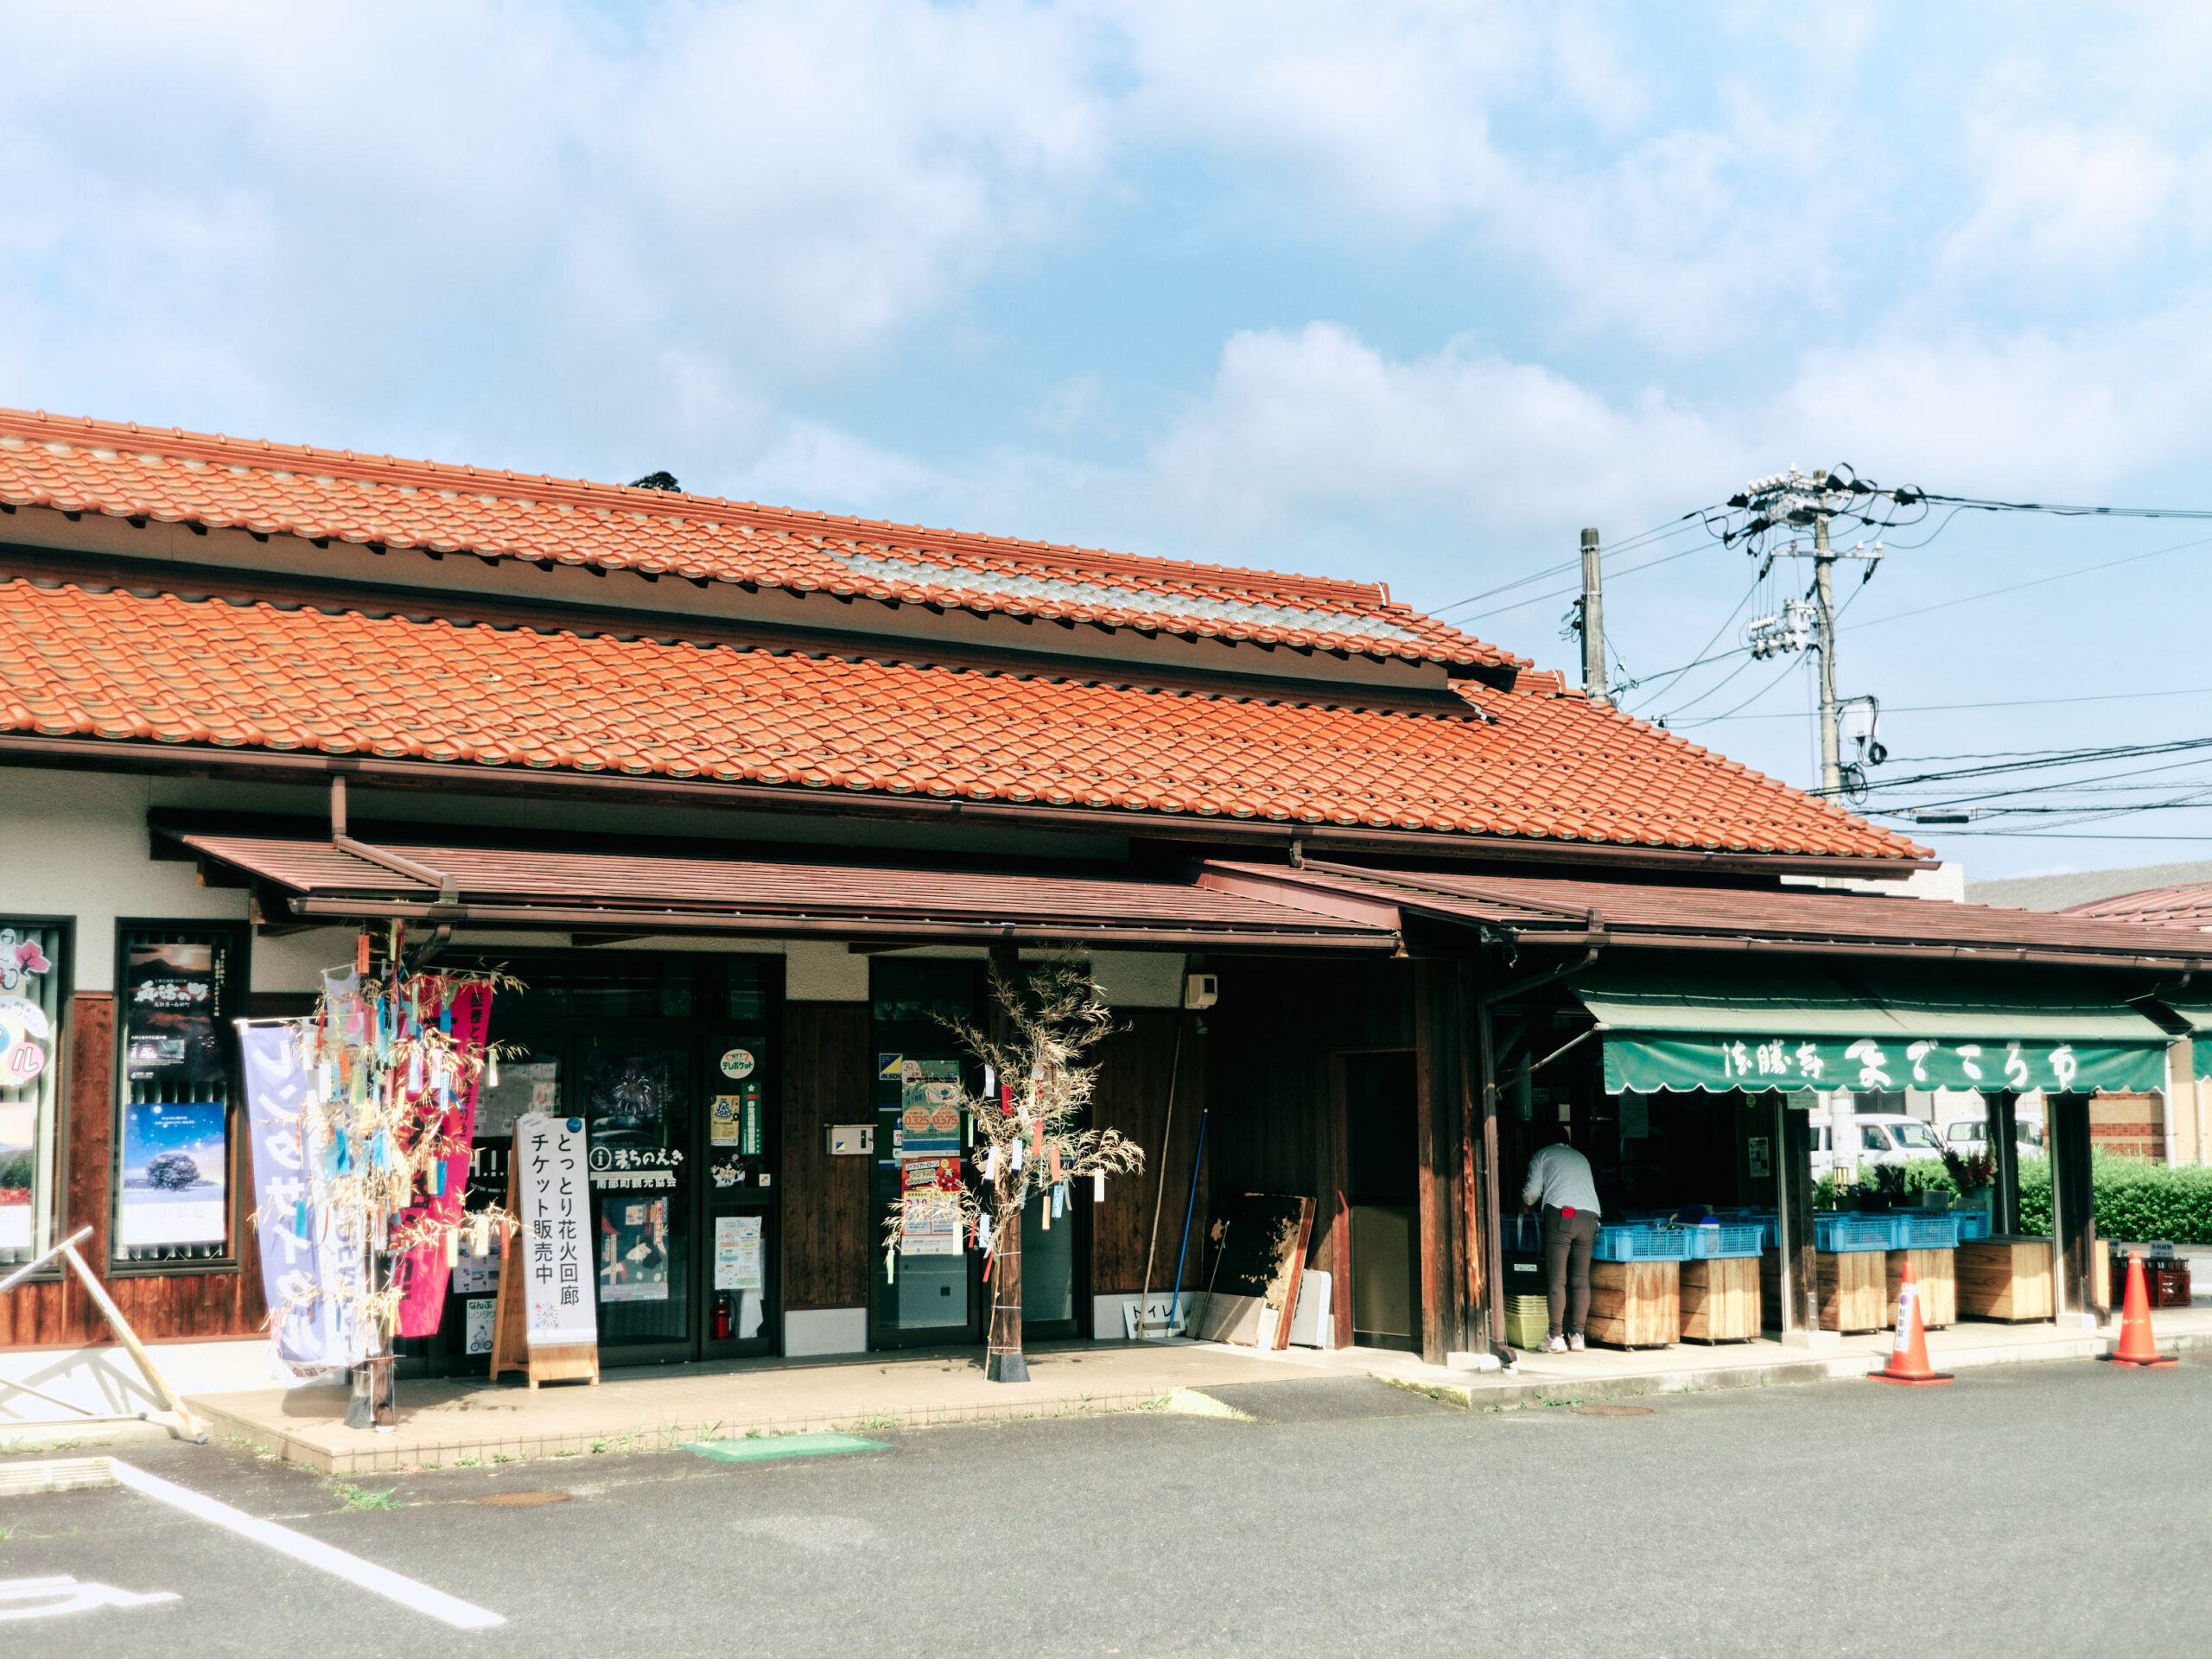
[{"x": 1560, "y": 1181}]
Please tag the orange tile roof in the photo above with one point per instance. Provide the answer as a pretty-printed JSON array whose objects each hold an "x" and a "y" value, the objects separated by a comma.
[
  {"x": 1545, "y": 763},
  {"x": 2168, "y": 907},
  {"x": 173, "y": 476}
]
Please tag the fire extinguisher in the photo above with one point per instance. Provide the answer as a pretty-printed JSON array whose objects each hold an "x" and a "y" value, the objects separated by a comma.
[{"x": 722, "y": 1319}]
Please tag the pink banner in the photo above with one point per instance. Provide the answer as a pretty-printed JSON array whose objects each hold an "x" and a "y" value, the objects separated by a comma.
[{"x": 421, "y": 1272}]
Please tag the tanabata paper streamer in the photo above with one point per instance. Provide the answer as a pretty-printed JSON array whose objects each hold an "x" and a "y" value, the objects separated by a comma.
[{"x": 422, "y": 1272}]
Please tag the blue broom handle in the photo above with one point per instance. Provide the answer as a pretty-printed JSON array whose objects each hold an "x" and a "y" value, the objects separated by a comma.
[{"x": 1176, "y": 1301}]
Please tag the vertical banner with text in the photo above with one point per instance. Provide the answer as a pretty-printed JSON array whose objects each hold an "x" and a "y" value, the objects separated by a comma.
[
  {"x": 553, "y": 1189},
  {"x": 311, "y": 1269}
]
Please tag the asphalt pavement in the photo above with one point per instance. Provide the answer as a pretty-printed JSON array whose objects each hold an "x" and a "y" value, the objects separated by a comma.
[{"x": 2025, "y": 1510}]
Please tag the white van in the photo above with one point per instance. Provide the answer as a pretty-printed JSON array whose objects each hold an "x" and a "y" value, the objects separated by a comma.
[{"x": 1880, "y": 1137}]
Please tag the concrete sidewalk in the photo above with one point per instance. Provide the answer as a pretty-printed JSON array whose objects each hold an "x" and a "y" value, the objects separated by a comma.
[{"x": 448, "y": 1423}]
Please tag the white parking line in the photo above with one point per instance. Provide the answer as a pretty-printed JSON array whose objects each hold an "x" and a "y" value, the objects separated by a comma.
[
  {"x": 44, "y": 1598},
  {"x": 313, "y": 1552}
]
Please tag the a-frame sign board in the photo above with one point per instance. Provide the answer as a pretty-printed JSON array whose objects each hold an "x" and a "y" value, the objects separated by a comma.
[{"x": 511, "y": 1349}]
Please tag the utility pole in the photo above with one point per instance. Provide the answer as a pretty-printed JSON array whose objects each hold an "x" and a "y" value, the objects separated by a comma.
[
  {"x": 1785, "y": 502},
  {"x": 1824, "y": 600},
  {"x": 1593, "y": 620}
]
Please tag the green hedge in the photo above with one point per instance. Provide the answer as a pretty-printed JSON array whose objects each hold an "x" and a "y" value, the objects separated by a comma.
[{"x": 2136, "y": 1200}]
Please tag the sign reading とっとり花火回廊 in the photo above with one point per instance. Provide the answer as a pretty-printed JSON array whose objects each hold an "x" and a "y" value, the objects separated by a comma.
[
  {"x": 552, "y": 1192},
  {"x": 1647, "y": 1062}
]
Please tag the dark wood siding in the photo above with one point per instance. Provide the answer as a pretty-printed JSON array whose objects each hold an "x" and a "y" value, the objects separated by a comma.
[
  {"x": 1132, "y": 1096},
  {"x": 827, "y": 1229},
  {"x": 175, "y": 1306},
  {"x": 1268, "y": 1073}
]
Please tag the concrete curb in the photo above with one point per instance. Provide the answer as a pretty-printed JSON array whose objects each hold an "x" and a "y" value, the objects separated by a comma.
[{"x": 1508, "y": 1394}]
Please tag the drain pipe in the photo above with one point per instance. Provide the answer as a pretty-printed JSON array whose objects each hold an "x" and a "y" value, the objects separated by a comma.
[{"x": 448, "y": 890}]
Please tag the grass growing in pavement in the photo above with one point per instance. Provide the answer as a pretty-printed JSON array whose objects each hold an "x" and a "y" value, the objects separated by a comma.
[{"x": 351, "y": 1496}]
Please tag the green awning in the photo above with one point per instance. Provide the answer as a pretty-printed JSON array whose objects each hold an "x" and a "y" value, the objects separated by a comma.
[
  {"x": 2198, "y": 1013},
  {"x": 1788, "y": 1023}
]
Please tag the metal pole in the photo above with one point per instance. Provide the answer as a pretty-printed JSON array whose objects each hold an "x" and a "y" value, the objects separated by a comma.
[
  {"x": 1190, "y": 1204},
  {"x": 1593, "y": 620},
  {"x": 1160, "y": 1195},
  {"x": 1824, "y": 598}
]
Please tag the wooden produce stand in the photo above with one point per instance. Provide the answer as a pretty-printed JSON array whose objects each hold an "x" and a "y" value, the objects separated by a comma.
[
  {"x": 1852, "y": 1287},
  {"x": 1635, "y": 1304},
  {"x": 1936, "y": 1272},
  {"x": 1720, "y": 1299},
  {"x": 2006, "y": 1277}
]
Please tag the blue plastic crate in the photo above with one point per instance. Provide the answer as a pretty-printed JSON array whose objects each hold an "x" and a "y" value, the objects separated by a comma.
[
  {"x": 1973, "y": 1224},
  {"x": 1842, "y": 1234},
  {"x": 1643, "y": 1244},
  {"x": 1936, "y": 1229},
  {"x": 1711, "y": 1243}
]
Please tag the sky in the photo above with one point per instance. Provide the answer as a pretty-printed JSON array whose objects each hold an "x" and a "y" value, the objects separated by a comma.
[{"x": 1409, "y": 292}]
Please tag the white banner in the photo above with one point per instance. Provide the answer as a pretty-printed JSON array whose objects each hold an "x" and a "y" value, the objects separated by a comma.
[
  {"x": 554, "y": 1194},
  {"x": 311, "y": 1267}
]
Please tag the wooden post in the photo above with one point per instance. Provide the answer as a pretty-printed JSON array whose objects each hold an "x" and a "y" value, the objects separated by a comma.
[
  {"x": 1792, "y": 1191},
  {"x": 2005, "y": 1163},
  {"x": 1432, "y": 1219},
  {"x": 1474, "y": 1225},
  {"x": 2073, "y": 1206},
  {"x": 1493, "y": 1325}
]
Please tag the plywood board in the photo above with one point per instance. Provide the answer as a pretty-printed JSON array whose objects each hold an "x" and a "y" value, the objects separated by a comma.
[
  {"x": 1720, "y": 1299},
  {"x": 1635, "y": 1304},
  {"x": 1259, "y": 1241},
  {"x": 1936, "y": 1274}
]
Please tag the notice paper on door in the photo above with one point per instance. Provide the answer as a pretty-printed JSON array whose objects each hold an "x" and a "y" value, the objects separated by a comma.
[{"x": 737, "y": 1253}]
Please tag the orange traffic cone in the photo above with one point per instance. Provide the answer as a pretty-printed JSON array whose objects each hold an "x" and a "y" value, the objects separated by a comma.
[
  {"x": 1909, "y": 1359},
  {"x": 2136, "y": 1346}
]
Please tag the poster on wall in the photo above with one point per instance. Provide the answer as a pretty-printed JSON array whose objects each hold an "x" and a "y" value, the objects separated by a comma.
[
  {"x": 930, "y": 1222},
  {"x": 929, "y": 1108},
  {"x": 552, "y": 1183},
  {"x": 18, "y": 1166},
  {"x": 481, "y": 1315},
  {"x": 632, "y": 1249},
  {"x": 531, "y": 1085},
  {"x": 169, "y": 1038},
  {"x": 737, "y": 1253},
  {"x": 174, "y": 1174}
]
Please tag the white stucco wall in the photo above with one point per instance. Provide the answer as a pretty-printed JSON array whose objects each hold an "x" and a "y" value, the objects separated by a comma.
[{"x": 75, "y": 844}]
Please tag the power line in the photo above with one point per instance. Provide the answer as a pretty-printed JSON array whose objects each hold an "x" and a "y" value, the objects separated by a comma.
[
  {"x": 2008, "y": 703},
  {"x": 2086, "y": 569},
  {"x": 1671, "y": 528}
]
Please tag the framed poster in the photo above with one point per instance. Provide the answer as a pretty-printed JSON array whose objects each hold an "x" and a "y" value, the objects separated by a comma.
[
  {"x": 34, "y": 992},
  {"x": 175, "y": 1169},
  {"x": 180, "y": 987}
]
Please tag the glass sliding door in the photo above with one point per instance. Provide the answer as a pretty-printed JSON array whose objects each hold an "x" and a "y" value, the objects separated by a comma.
[{"x": 928, "y": 1294}]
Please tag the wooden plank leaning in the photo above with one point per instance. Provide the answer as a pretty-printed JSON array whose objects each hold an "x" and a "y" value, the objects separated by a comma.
[{"x": 66, "y": 1250}]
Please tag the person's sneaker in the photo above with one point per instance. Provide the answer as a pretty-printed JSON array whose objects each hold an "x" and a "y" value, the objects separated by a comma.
[
  {"x": 1555, "y": 1344},
  {"x": 1574, "y": 1342}
]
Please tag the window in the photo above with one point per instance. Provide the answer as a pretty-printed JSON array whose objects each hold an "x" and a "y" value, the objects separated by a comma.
[
  {"x": 1914, "y": 1137},
  {"x": 180, "y": 989},
  {"x": 34, "y": 994},
  {"x": 1871, "y": 1138},
  {"x": 1821, "y": 1138},
  {"x": 1967, "y": 1134}
]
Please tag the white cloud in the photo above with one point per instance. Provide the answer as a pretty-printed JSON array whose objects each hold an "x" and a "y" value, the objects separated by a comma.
[{"x": 545, "y": 206}]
